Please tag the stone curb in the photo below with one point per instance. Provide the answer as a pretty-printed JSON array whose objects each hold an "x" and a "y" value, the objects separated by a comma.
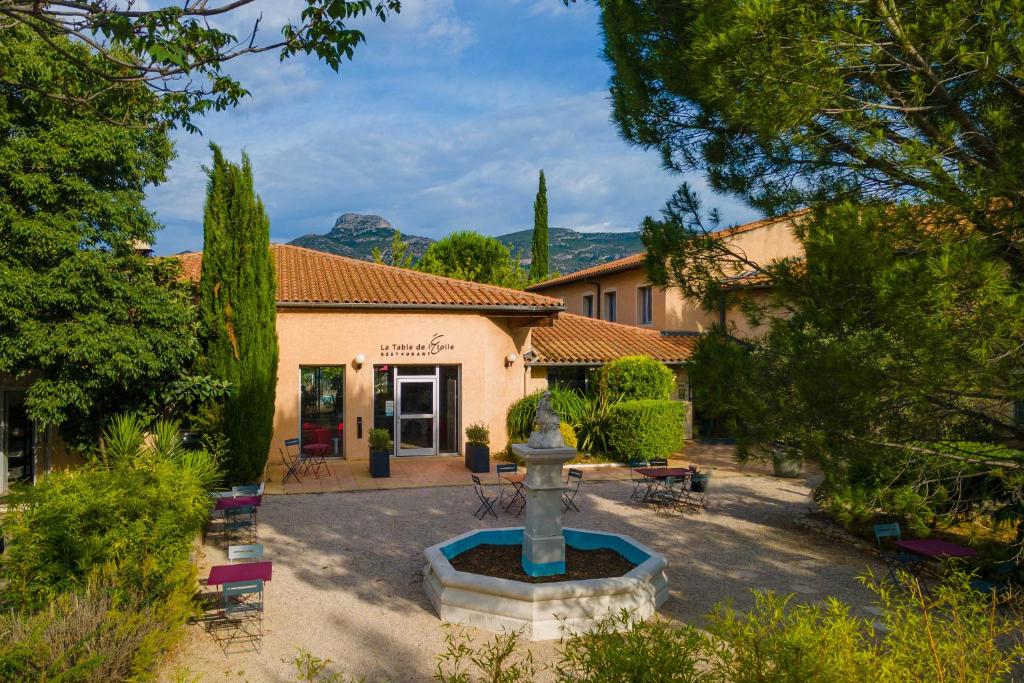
[{"x": 834, "y": 532}]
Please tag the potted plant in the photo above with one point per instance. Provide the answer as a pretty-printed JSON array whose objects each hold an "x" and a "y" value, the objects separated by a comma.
[
  {"x": 478, "y": 451},
  {"x": 380, "y": 453}
]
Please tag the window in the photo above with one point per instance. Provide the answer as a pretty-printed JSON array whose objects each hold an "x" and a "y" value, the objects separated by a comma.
[
  {"x": 644, "y": 306},
  {"x": 588, "y": 305},
  {"x": 609, "y": 306},
  {"x": 581, "y": 378},
  {"x": 323, "y": 407}
]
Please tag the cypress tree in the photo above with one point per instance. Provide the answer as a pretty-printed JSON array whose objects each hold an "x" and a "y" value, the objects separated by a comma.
[
  {"x": 539, "y": 256},
  {"x": 237, "y": 307}
]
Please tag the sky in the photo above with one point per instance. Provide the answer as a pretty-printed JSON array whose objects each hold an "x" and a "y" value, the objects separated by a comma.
[{"x": 440, "y": 123}]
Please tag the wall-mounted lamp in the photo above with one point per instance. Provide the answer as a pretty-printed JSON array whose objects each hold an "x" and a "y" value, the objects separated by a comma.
[
  {"x": 510, "y": 359},
  {"x": 359, "y": 360}
]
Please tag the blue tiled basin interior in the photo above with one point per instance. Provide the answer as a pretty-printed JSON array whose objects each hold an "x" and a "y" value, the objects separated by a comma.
[{"x": 576, "y": 538}]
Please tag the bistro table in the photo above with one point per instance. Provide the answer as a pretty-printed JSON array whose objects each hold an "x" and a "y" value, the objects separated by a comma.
[
  {"x": 237, "y": 502},
  {"x": 936, "y": 549},
  {"x": 246, "y": 571},
  {"x": 655, "y": 474},
  {"x": 517, "y": 481}
]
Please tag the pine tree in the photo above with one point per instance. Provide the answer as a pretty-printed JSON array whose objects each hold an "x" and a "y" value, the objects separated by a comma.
[
  {"x": 237, "y": 305},
  {"x": 539, "y": 257}
]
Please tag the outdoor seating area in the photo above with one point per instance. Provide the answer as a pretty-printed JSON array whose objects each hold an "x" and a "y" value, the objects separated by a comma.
[
  {"x": 510, "y": 497},
  {"x": 669, "y": 489},
  {"x": 300, "y": 459},
  {"x": 235, "y": 614},
  {"x": 921, "y": 558}
]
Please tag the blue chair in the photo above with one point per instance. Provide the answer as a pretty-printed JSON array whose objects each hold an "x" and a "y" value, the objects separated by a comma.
[
  {"x": 659, "y": 462},
  {"x": 671, "y": 495},
  {"x": 243, "y": 601},
  {"x": 292, "y": 461},
  {"x": 251, "y": 551},
  {"x": 895, "y": 561},
  {"x": 1000, "y": 583}
]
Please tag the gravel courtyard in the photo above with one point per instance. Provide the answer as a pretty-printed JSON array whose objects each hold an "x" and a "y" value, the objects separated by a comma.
[{"x": 348, "y": 569}]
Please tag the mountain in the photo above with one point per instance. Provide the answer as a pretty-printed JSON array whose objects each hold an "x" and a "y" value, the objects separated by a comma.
[{"x": 355, "y": 235}]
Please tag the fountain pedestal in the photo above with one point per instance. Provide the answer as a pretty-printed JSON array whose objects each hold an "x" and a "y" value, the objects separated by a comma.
[{"x": 543, "y": 541}]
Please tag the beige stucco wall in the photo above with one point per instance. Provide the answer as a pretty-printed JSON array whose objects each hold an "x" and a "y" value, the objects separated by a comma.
[{"x": 333, "y": 337}]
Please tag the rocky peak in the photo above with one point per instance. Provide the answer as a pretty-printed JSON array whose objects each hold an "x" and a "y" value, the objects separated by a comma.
[{"x": 357, "y": 222}]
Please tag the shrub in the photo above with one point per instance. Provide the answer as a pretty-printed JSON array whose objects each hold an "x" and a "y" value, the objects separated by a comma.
[
  {"x": 635, "y": 378},
  {"x": 522, "y": 414},
  {"x": 100, "y": 552},
  {"x": 568, "y": 434},
  {"x": 380, "y": 440},
  {"x": 478, "y": 434},
  {"x": 497, "y": 660},
  {"x": 645, "y": 429},
  {"x": 623, "y": 649}
]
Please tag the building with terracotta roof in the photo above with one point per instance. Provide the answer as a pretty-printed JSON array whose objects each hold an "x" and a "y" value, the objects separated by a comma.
[
  {"x": 618, "y": 291},
  {"x": 364, "y": 346}
]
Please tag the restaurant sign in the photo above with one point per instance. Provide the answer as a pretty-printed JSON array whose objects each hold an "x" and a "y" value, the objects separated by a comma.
[{"x": 434, "y": 346}]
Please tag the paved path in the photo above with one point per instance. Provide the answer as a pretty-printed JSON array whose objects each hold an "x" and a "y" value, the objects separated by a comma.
[{"x": 347, "y": 569}]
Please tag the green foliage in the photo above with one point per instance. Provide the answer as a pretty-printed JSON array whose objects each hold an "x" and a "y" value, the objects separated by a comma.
[
  {"x": 645, "y": 429},
  {"x": 593, "y": 424},
  {"x": 951, "y": 634},
  {"x": 568, "y": 434},
  {"x": 890, "y": 100},
  {"x": 238, "y": 308},
  {"x": 100, "y": 329},
  {"x": 497, "y": 660},
  {"x": 177, "y": 50},
  {"x": 478, "y": 434},
  {"x": 632, "y": 378},
  {"x": 380, "y": 440},
  {"x": 539, "y": 246},
  {"x": 398, "y": 255},
  {"x": 313, "y": 669},
  {"x": 468, "y": 255},
  {"x": 622, "y": 648},
  {"x": 522, "y": 415},
  {"x": 97, "y": 570}
]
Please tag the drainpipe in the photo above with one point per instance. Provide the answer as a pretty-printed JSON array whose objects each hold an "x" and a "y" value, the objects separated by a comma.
[{"x": 597, "y": 296}]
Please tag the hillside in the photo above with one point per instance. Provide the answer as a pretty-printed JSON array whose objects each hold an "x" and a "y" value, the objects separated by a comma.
[{"x": 355, "y": 235}]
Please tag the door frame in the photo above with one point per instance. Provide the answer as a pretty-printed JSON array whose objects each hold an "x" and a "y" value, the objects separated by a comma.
[{"x": 399, "y": 415}]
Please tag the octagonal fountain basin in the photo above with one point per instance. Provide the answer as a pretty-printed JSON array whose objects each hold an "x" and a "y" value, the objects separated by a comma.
[{"x": 543, "y": 611}]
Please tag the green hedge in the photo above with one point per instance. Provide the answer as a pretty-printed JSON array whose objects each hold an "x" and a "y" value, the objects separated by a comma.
[
  {"x": 635, "y": 378},
  {"x": 641, "y": 430}
]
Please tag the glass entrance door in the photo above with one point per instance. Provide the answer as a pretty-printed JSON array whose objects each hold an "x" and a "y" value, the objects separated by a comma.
[{"x": 416, "y": 419}]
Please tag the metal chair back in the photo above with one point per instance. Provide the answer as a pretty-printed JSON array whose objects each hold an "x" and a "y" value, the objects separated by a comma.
[
  {"x": 250, "y": 551},
  {"x": 659, "y": 462},
  {"x": 243, "y": 597},
  {"x": 884, "y": 531},
  {"x": 248, "y": 489},
  {"x": 506, "y": 468},
  {"x": 291, "y": 463},
  {"x": 570, "y": 491},
  {"x": 486, "y": 502}
]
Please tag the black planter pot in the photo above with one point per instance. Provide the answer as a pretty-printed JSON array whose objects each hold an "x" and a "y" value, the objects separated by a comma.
[
  {"x": 380, "y": 464},
  {"x": 478, "y": 458}
]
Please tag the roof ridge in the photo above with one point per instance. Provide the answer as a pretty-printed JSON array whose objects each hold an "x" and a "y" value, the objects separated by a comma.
[{"x": 409, "y": 271}]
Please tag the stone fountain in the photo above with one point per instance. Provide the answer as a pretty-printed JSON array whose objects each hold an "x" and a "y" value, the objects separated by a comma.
[{"x": 548, "y": 610}]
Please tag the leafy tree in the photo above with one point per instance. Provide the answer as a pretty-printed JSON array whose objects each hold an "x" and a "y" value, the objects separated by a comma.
[
  {"x": 237, "y": 304},
  {"x": 398, "y": 255},
  {"x": 177, "y": 50},
  {"x": 788, "y": 104},
  {"x": 468, "y": 255},
  {"x": 539, "y": 248},
  {"x": 97, "y": 328}
]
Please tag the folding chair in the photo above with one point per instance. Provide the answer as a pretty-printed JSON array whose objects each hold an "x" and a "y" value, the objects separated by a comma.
[
  {"x": 486, "y": 502},
  {"x": 509, "y": 494},
  {"x": 672, "y": 495},
  {"x": 247, "y": 490},
  {"x": 641, "y": 484},
  {"x": 242, "y": 604},
  {"x": 659, "y": 462},
  {"x": 251, "y": 551},
  {"x": 895, "y": 561},
  {"x": 1000, "y": 583},
  {"x": 291, "y": 461},
  {"x": 241, "y": 519},
  {"x": 570, "y": 491},
  {"x": 696, "y": 490}
]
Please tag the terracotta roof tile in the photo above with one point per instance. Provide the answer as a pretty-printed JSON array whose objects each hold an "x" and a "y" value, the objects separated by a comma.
[
  {"x": 637, "y": 260},
  {"x": 576, "y": 339},
  {"x": 306, "y": 276}
]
